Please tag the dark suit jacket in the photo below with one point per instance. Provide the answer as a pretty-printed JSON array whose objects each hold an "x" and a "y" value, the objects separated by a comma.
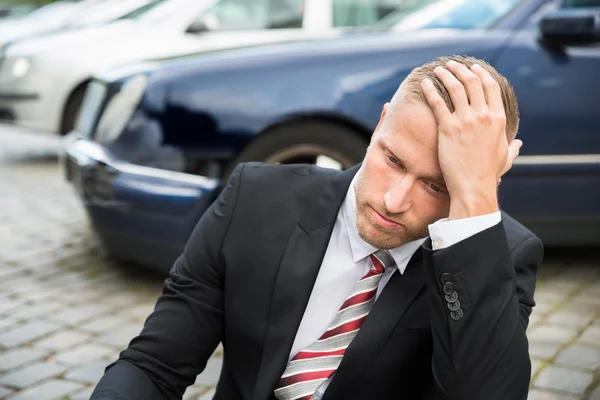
[{"x": 247, "y": 273}]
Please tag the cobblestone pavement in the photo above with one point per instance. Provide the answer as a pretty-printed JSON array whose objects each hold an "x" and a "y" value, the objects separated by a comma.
[{"x": 67, "y": 309}]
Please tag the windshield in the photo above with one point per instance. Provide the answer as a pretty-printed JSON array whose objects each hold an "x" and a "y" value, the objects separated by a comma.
[{"x": 456, "y": 14}]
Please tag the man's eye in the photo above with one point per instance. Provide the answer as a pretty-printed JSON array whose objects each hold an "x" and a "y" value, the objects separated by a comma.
[
  {"x": 435, "y": 188},
  {"x": 393, "y": 160}
]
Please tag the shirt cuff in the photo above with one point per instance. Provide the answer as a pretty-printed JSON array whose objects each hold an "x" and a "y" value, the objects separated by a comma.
[{"x": 445, "y": 233}]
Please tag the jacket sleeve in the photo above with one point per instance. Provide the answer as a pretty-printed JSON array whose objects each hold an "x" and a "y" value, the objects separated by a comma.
[
  {"x": 187, "y": 322},
  {"x": 481, "y": 299}
]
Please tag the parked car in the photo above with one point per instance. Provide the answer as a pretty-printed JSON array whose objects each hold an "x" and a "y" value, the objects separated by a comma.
[
  {"x": 65, "y": 15},
  {"x": 156, "y": 140},
  {"x": 47, "y": 95}
]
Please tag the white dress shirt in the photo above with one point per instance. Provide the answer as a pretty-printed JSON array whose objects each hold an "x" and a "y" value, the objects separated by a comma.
[{"x": 347, "y": 260}]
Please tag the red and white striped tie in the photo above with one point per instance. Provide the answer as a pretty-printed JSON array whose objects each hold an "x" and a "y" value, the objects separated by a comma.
[{"x": 315, "y": 364}]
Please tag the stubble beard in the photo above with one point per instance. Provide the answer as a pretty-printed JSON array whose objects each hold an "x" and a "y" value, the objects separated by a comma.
[{"x": 377, "y": 236}]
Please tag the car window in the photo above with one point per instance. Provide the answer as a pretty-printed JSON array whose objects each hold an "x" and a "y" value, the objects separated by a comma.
[
  {"x": 361, "y": 13},
  {"x": 227, "y": 15},
  {"x": 144, "y": 10},
  {"x": 451, "y": 14},
  {"x": 353, "y": 13},
  {"x": 581, "y": 3},
  {"x": 403, "y": 11},
  {"x": 473, "y": 14}
]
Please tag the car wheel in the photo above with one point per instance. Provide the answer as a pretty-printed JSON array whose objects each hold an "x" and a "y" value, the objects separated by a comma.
[
  {"x": 324, "y": 144},
  {"x": 72, "y": 110}
]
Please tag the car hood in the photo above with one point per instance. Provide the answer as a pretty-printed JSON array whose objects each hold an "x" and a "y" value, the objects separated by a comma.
[
  {"x": 319, "y": 52},
  {"x": 125, "y": 42},
  {"x": 15, "y": 30},
  {"x": 70, "y": 40}
]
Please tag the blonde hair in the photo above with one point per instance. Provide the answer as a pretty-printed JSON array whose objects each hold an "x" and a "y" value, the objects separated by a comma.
[{"x": 411, "y": 88}]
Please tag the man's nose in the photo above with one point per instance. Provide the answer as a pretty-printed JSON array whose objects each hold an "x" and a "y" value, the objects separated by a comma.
[{"x": 397, "y": 198}]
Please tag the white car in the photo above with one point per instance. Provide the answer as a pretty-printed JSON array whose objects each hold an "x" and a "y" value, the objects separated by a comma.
[
  {"x": 42, "y": 81},
  {"x": 62, "y": 15}
]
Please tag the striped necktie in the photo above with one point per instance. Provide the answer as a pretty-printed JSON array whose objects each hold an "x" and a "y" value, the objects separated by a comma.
[{"x": 315, "y": 364}]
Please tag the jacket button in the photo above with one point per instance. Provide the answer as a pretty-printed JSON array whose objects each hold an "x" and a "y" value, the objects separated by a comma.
[
  {"x": 451, "y": 298},
  {"x": 446, "y": 277},
  {"x": 454, "y": 305},
  {"x": 448, "y": 288},
  {"x": 456, "y": 314}
]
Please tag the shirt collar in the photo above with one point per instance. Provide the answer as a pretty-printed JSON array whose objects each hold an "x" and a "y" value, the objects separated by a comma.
[{"x": 362, "y": 249}]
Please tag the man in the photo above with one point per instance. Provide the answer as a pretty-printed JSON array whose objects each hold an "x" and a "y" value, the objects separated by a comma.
[{"x": 396, "y": 279}]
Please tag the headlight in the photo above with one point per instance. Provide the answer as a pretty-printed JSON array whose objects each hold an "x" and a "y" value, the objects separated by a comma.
[
  {"x": 20, "y": 67},
  {"x": 120, "y": 109}
]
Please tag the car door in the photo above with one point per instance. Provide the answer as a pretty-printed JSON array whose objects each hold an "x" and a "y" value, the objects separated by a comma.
[{"x": 554, "y": 187}]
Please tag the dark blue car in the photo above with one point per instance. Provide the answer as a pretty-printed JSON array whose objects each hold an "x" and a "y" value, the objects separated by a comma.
[{"x": 155, "y": 141}]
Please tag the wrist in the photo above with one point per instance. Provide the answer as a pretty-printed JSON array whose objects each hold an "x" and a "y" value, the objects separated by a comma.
[{"x": 473, "y": 204}]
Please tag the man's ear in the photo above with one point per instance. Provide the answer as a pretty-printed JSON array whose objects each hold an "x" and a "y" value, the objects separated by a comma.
[{"x": 383, "y": 113}]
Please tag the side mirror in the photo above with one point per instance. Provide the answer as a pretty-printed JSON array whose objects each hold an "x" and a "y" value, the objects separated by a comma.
[
  {"x": 571, "y": 25},
  {"x": 198, "y": 26}
]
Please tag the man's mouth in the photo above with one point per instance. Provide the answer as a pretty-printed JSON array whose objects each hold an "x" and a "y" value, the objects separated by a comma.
[{"x": 384, "y": 222}]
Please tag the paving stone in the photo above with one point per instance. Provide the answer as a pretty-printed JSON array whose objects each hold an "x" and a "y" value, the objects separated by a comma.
[
  {"x": 83, "y": 353},
  {"x": 549, "y": 333},
  {"x": 578, "y": 356},
  {"x": 89, "y": 373},
  {"x": 212, "y": 372},
  {"x": 103, "y": 324},
  {"x": 27, "y": 332},
  {"x": 544, "y": 350},
  {"x": 208, "y": 395},
  {"x": 7, "y": 322},
  {"x": 79, "y": 313},
  {"x": 84, "y": 394},
  {"x": 562, "y": 379},
  {"x": 121, "y": 337},
  {"x": 542, "y": 309},
  {"x": 193, "y": 393},
  {"x": 17, "y": 357},
  {"x": 535, "y": 366},
  {"x": 35, "y": 310},
  {"x": 4, "y": 391},
  {"x": 7, "y": 304},
  {"x": 543, "y": 395},
  {"x": 62, "y": 340},
  {"x": 534, "y": 320},
  {"x": 570, "y": 318},
  {"x": 579, "y": 307},
  {"x": 141, "y": 311},
  {"x": 591, "y": 335},
  {"x": 49, "y": 390},
  {"x": 24, "y": 377}
]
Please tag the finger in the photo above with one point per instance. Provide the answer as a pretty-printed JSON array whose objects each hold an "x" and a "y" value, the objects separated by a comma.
[
  {"x": 454, "y": 87},
  {"x": 437, "y": 104},
  {"x": 513, "y": 152},
  {"x": 471, "y": 82},
  {"x": 491, "y": 88}
]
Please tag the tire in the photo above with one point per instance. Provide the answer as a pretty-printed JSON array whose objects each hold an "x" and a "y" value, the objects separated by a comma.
[
  {"x": 287, "y": 144},
  {"x": 71, "y": 112}
]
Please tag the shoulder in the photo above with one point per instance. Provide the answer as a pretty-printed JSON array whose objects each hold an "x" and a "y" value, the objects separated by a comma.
[
  {"x": 278, "y": 177},
  {"x": 287, "y": 188}
]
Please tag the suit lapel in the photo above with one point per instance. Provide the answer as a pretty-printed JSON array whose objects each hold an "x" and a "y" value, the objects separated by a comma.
[
  {"x": 394, "y": 300},
  {"x": 297, "y": 274}
]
